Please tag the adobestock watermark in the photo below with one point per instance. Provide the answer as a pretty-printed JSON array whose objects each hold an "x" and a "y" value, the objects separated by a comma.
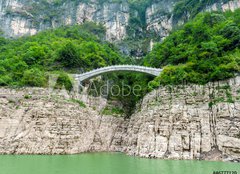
[
  {"x": 104, "y": 88},
  {"x": 110, "y": 89},
  {"x": 95, "y": 88},
  {"x": 225, "y": 172}
]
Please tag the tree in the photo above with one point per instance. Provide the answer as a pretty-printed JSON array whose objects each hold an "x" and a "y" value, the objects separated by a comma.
[
  {"x": 69, "y": 56},
  {"x": 34, "y": 55}
]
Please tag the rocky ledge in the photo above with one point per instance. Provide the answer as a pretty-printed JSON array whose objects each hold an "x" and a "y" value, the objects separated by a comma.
[{"x": 181, "y": 122}]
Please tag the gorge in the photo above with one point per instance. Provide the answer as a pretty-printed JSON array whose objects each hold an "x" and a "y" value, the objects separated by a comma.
[
  {"x": 191, "y": 122},
  {"x": 183, "y": 55},
  {"x": 133, "y": 26}
]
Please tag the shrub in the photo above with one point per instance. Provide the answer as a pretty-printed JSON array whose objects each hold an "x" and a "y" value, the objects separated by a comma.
[
  {"x": 64, "y": 81},
  {"x": 34, "y": 77},
  {"x": 203, "y": 50}
]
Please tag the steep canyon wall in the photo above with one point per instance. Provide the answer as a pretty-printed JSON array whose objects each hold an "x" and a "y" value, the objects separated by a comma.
[
  {"x": 184, "y": 122},
  {"x": 23, "y": 17}
]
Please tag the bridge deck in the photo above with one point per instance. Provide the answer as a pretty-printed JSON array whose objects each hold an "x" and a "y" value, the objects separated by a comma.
[{"x": 134, "y": 68}]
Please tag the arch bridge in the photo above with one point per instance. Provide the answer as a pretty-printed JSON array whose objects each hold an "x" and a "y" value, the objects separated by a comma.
[{"x": 118, "y": 68}]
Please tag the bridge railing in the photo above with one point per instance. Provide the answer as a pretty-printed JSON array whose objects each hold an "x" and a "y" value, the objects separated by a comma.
[{"x": 150, "y": 70}]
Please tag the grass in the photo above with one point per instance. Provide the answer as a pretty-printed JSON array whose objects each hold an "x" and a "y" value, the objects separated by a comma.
[
  {"x": 81, "y": 103},
  {"x": 113, "y": 111}
]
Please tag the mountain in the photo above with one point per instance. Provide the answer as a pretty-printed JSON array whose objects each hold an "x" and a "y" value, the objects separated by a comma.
[
  {"x": 73, "y": 49},
  {"x": 132, "y": 24},
  {"x": 205, "y": 48}
]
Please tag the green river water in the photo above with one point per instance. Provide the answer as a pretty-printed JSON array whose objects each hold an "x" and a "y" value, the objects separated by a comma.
[{"x": 106, "y": 163}]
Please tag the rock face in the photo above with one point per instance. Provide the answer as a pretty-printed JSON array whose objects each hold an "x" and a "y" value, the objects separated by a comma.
[
  {"x": 24, "y": 17},
  {"x": 159, "y": 17},
  {"x": 224, "y": 6},
  {"x": 184, "y": 122},
  {"x": 188, "y": 122},
  {"x": 21, "y": 17},
  {"x": 42, "y": 125},
  {"x": 160, "y": 14}
]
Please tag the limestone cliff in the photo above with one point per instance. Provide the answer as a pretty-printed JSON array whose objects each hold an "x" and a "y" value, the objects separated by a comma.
[
  {"x": 24, "y": 17},
  {"x": 161, "y": 15},
  {"x": 188, "y": 122},
  {"x": 32, "y": 123},
  {"x": 184, "y": 122}
]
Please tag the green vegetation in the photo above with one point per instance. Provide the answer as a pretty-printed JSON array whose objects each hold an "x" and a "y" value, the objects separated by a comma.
[
  {"x": 140, "y": 6},
  {"x": 81, "y": 104},
  {"x": 185, "y": 8},
  {"x": 205, "y": 49},
  {"x": 113, "y": 111},
  {"x": 222, "y": 94},
  {"x": 28, "y": 61},
  {"x": 46, "y": 12},
  {"x": 27, "y": 96},
  {"x": 125, "y": 87},
  {"x": 139, "y": 37},
  {"x": 64, "y": 81},
  {"x": 133, "y": 88}
]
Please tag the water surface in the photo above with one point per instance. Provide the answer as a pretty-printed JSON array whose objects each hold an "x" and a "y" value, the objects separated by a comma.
[{"x": 106, "y": 163}]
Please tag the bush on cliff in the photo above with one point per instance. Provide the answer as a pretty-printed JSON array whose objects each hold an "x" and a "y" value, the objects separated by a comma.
[{"x": 205, "y": 49}]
